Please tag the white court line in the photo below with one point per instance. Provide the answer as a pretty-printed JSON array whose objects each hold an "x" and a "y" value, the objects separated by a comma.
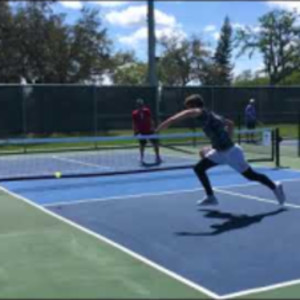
[
  {"x": 117, "y": 246},
  {"x": 261, "y": 289},
  {"x": 159, "y": 194},
  {"x": 110, "y": 168},
  {"x": 80, "y": 162},
  {"x": 255, "y": 198},
  {"x": 75, "y": 202}
]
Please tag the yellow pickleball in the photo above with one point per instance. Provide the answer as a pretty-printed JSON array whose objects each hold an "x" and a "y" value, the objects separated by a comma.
[{"x": 57, "y": 174}]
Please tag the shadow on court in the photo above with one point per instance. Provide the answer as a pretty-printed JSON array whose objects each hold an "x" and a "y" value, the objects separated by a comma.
[{"x": 233, "y": 221}]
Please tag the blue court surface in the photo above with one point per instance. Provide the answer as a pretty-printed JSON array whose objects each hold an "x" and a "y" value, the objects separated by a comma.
[{"x": 246, "y": 242}]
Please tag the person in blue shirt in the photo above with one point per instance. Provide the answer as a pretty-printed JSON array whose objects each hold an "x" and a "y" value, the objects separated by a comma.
[
  {"x": 222, "y": 151},
  {"x": 250, "y": 119}
]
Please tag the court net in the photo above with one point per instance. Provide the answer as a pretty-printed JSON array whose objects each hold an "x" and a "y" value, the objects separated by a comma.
[{"x": 45, "y": 158}]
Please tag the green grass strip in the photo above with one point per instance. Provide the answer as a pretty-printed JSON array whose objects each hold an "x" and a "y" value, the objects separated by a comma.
[{"x": 44, "y": 257}]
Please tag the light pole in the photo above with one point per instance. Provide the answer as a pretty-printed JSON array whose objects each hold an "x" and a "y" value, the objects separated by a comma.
[
  {"x": 152, "y": 76},
  {"x": 152, "y": 70}
]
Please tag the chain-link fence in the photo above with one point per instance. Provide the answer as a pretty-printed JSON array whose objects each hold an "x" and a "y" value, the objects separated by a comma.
[
  {"x": 68, "y": 109},
  {"x": 29, "y": 110},
  {"x": 273, "y": 105}
]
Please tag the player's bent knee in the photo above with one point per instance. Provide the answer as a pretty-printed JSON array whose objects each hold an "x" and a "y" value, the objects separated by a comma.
[
  {"x": 197, "y": 168},
  {"x": 250, "y": 174},
  {"x": 203, "y": 165},
  {"x": 204, "y": 151}
]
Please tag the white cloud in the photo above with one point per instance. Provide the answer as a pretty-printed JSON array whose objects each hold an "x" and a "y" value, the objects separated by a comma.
[
  {"x": 137, "y": 15},
  {"x": 164, "y": 19},
  {"x": 141, "y": 35},
  {"x": 106, "y": 80},
  {"x": 210, "y": 28},
  {"x": 134, "y": 15},
  {"x": 135, "y": 38},
  {"x": 216, "y": 36},
  {"x": 72, "y": 4},
  {"x": 290, "y": 5},
  {"x": 255, "y": 29},
  {"x": 244, "y": 63},
  {"x": 170, "y": 32},
  {"x": 110, "y": 3},
  {"x": 79, "y": 4},
  {"x": 238, "y": 26},
  {"x": 259, "y": 70},
  {"x": 209, "y": 48}
]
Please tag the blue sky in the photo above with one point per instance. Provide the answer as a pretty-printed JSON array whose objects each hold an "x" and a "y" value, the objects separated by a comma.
[{"x": 126, "y": 21}]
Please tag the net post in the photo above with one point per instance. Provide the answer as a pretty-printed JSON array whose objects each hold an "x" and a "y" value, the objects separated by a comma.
[
  {"x": 299, "y": 132},
  {"x": 239, "y": 128},
  {"x": 277, "y": 140}
]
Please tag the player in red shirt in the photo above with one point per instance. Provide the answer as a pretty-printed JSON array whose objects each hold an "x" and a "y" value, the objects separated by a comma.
[{"x": 142, "y": 123}]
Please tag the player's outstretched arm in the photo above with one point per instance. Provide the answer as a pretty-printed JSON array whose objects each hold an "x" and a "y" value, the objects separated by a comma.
[{"x": 185, "y": 114}]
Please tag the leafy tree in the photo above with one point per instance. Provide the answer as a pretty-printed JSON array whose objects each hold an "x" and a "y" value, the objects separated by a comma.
[
  {"x": 292, "y": 79},
  {"x": 244, "y": 78},
  {"x": 247, "y": 78},
  {"x": 131, "y": 74},
  {"x": 125, "y": 69},
  {"x": 37, "y": 45},
  {"x": 182, "y": 61},
  {"x": 174, "y": 66},
  {"x": 7, "y": 44},
  {"x": 90, "y": 46},
  {"x": 222, "y": 56},
  {"x": 33, "y": 46},
  {"x": 278, "y": 40},
  {"x": 203, "y": 70}
]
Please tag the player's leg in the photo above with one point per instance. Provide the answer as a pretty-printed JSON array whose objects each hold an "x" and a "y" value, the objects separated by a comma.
[
  {"x": 277, "y": 187},
  {"x": 248, "y": 134},
  {"x": 252, "y": 175},
  {"x": 142, "y": 143},
  {"x": 155, "y": 144},
  {"x": 236, "y": 159},
  {"x": 200, "y": 169},
  {"x": 252, "y": 135}
]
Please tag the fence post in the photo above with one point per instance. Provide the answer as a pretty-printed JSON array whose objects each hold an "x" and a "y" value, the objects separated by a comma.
[
  {"x": 212, "y": 98},
  {"x": 277, "y": 147},
  {"x": 299, "y": 132},
  {"x": 26, "y": 91},
  {"x": 239, "y": 128},
  {"x": 95, "y": 117}
]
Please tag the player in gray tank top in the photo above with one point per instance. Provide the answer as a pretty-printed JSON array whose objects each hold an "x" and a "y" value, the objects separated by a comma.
[
  {"x": 213, "y": 126},
  {"x": 223, "y": 151}
]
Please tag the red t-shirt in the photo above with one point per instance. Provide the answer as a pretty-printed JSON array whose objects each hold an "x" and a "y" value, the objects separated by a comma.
[{"x": 142, "y": 120}]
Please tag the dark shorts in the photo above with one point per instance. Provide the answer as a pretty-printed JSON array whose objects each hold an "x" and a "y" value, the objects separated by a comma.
[
  {"x": 144, "y": 141},
  {"x": 251, "y": 124}
]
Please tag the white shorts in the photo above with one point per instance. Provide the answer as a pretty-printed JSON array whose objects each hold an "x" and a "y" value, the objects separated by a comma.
[{"x": 234, "y": 157}]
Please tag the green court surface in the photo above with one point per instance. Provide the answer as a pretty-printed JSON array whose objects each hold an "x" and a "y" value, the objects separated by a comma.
[
  {"x": 44, "y": 256},
  {"x": 286, "y": 292}
]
